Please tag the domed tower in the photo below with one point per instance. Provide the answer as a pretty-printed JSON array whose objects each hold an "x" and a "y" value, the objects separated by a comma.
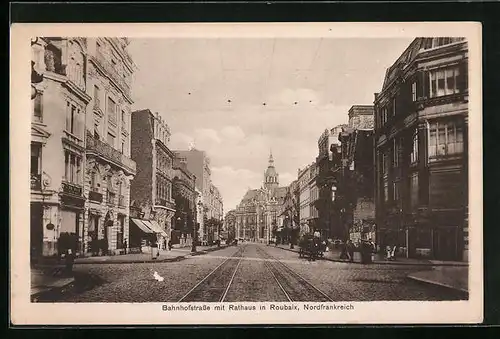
[{"x": 270, "y": 176}]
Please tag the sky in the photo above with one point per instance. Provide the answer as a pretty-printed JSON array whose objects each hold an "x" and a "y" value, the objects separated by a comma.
[{"x": 238, "y": 99}]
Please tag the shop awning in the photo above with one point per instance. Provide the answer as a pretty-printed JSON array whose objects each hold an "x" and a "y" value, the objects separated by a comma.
[
  {"x": 142, "y": 226},
  {"x": 158, "y": 228}
]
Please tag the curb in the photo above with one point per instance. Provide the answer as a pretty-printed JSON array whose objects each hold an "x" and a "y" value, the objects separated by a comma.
[
  {"x": 437, "y": 283},
  {"x": 171, "y": 259},
  {"x": 397, "y": 263}
]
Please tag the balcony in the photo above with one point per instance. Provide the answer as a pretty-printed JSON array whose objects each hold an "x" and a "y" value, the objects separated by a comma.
[
  {"x": 71, "y": 189},
  {"x": 113, "y": 73},
  {"x": 161, "y": 202},
  {"x": 95, "y": 196},
  {"x": 36, "y": 182},
  {"x": 72, "y": 138},
  {"x": 109, "y": 153}
]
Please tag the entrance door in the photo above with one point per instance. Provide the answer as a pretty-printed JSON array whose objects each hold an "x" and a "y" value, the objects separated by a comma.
[
  {"x": 445, "y": 243},
  {"x": 36, "y": 225}
]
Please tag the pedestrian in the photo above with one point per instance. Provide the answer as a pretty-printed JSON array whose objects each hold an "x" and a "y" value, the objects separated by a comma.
[
  {"x": 350, "y": 250},
  {"x": 69, "y": 261},
  {"x": 169, "y": 244},
  {"x": 125, "y": 246}
]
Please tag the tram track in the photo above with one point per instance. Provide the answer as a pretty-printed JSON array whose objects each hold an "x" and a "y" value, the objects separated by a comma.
[
  {"x": 215, "y": 285},
  {"x": 293, "y": 285}
]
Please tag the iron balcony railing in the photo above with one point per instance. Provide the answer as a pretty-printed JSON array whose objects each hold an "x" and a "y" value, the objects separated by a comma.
[
  {"x": 71, "y": 188},
  {"x": 109, "y": 153}
]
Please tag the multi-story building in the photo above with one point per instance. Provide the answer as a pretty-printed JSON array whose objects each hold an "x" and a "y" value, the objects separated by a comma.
[
  {"x": 57, "y": 170},
  {"x": 326, "y": 184},
  {"x": 200, "y": 215},
  {"x": 354, "y": 201},
  {"x": 257, "y": 213},
  {"x": 290, "y": 212},
  {"x": 198, "y": 163},
  {"x": 109, "y": 167},
  {"x": 152, "y": 187},
  {"x": 421, "y": 150},
  {"x": 230, "y": 225},
  {"x": 303, "y": 180},
  {"x": 313, "y": 197},
  {"x": 185, "y": 196}
]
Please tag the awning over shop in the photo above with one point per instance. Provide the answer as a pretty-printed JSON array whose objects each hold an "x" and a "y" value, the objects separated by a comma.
[
  {"x": 157, "y": 228},
  {"x": 142, "y": 226}
]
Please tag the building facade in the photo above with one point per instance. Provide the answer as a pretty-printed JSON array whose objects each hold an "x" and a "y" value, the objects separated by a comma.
[
  {"x": 109, "y": 167},
  {"x": 257, "y": 213},
  {"x": 198, "y": 163},
  {"x": 313, "y": 197},
  {"x": 152, "y": 187},
  {"x": 58, "y": 147},
  {"x": 185, "y": 196},
  {"x": 421, "y": 150},
  {"x": 355, "y": 190},
  {"x": 303, "y": 180},
  {"x": 327, "y": 223}
]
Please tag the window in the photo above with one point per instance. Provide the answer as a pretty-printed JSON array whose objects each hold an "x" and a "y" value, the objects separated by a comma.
[
  {"x": 446, "y": 138},
  {"x": 414, "y": 190},
  {"x": 386, "y": 190},
  {"x": 72, "y": 167},
  {"x": 96, "y": 132},
  {"x": 385, "y": 164},
  {"x": 111, "y": 111},
  {"x": 94, "y": 181},
  {"x": 393, "y": 107},
  {"x": 122, "y": 147},
  {"x": 37, "y": 107},
  {"x": 444, "y": 82},
  {"x": 97, "y": 97},
  {"x": 36, "y": 156},
  {"x": 111, "y": 139},
  {"x": 414, "y": 91},
  {"x": 395, "y": 152},
  {"x": 414, "y": 150},
  {"x": 396, "y": 191},
  {"x": 124, "y": 120},
  {"x": 73, "y": 116}
]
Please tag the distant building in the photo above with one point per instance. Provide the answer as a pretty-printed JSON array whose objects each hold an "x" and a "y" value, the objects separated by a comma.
[
  {"x": 313, "y": 197},
  {"x": 152, "y": 187},
  {"x": 303, "y": 180},
  {"x": 257, "y": 213},
  {"x": 185, "y": 197},
  {"x": 422, "y": 150}
]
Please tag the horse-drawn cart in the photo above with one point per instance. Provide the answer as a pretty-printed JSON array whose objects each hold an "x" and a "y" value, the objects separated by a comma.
[{"x": 310, "y": 247}]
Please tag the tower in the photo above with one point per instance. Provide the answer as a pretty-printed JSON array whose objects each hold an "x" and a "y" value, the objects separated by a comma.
[{"x": 271, "y": 177}]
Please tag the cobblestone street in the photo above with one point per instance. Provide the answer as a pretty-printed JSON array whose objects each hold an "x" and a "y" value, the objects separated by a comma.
[{"x": 257, "y": 273}]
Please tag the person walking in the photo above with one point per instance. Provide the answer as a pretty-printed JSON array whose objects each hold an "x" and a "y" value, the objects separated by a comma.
[
  {"x": 125, "y": 246},
  {"x": 350, "y": 250}
]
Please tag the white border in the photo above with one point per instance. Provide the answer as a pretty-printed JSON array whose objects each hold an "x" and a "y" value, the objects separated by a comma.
[{"x": 24, "y": 312}]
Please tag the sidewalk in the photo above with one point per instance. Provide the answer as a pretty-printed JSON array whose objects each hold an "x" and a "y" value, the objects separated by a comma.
[
  {"x": 43, "y": 281},
  {"x": 379, "y": 259},
  {"x": 165, "y": 256},
  {"x": 449, "y": 274},
  {"x": 456, "y": 278}
]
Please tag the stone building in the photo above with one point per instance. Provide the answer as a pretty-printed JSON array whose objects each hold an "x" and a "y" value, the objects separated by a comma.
[
  {"x": 152, "y": 187},
  {"x": 421, "y": 124},
  {"x": 198, "y": 163},
  {"x": 326, "y": 224},
  {"x": 303, "y": 180},
  {"x": 109, "y": 167},
  {"x": 57, "y": 165},
  {"x": 257, "y": 213},
  {"x": 313, "y": 197},
  {"x": 355, "y": 190},
  {"x": 185, "y": 197},
  {"x": 80, "y": 158}
]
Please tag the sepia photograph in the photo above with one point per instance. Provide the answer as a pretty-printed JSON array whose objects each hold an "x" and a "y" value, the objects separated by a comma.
[{"x": 279, "y": 173}]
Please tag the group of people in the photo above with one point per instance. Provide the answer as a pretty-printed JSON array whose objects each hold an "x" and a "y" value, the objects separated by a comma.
[{"x": 365, "y": 247}]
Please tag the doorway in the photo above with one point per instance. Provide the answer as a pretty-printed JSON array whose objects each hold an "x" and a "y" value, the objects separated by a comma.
[
  {"x": 445, "y": 243},
  {"x": 36, "y": 232}
]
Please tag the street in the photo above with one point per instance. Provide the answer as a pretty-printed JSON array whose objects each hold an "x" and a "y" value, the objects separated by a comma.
[{"x": 251, "y": 272}]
